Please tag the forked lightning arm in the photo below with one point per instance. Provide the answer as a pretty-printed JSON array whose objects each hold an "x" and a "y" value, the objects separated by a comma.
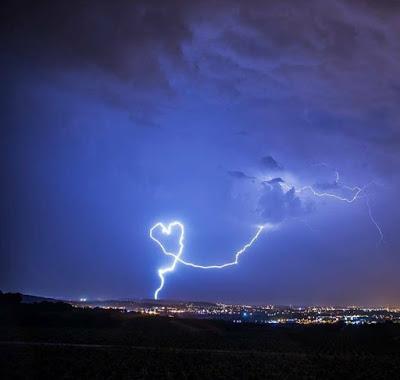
[
  {"x": 358, "y": 192},
  {"x": 166, "y": 230}
]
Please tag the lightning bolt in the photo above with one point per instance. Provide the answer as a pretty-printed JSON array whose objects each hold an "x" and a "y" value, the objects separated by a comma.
[
  {"x": 167, "y": 230},
  {"x": 357, "y": 193},
  {"x": 374, "y": 222}
]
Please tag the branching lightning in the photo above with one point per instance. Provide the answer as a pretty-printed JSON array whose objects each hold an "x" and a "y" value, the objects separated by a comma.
[
  {"x": 166, "y": 230},
  {"x": 357, "y": 192}
]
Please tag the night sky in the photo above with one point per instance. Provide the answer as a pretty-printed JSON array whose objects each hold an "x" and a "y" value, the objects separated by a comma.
[{"x": 117, "y": 115}]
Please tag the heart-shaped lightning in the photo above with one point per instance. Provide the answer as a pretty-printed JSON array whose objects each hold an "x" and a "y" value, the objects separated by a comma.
[{"x": 167, "y": 230}]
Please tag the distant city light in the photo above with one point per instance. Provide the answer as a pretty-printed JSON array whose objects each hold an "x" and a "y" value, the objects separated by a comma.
[{"x": 266, "y": 314}]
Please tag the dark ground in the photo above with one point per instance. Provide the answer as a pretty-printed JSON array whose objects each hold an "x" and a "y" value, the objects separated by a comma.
[{"x": 56, "y": 341}]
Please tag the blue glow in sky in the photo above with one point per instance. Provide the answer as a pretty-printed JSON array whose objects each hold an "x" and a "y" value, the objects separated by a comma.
[{"x": 215, "y": 114}]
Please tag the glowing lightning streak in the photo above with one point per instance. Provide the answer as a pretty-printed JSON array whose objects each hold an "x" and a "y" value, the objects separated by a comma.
[
  {"x": 237, "y": 255},
  {"x": 357, "y": 194},
  {"x": 166, "y": 230},
  {"x": 357, "y": 190},
  {"x": 373, "y": 219}
]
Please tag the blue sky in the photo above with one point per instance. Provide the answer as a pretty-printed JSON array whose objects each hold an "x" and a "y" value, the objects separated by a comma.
[{"x": 114, "y": 117}]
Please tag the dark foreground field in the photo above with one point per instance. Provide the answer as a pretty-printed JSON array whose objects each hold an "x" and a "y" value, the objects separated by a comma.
[{"x": 56, "y": 341}]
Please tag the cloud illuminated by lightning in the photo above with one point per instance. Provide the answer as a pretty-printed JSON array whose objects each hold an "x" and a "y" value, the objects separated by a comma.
[{"x": 167, "y": 230}]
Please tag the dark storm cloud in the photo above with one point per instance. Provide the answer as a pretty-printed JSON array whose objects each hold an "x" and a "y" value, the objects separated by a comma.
[
  {"x": 122, "y": 51},
  {"x": 273, "y": 181},
  {"x": 276, "y": 205},
  {"x": 317, "y": 62},
  {"x": 123, "y": 40}
]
